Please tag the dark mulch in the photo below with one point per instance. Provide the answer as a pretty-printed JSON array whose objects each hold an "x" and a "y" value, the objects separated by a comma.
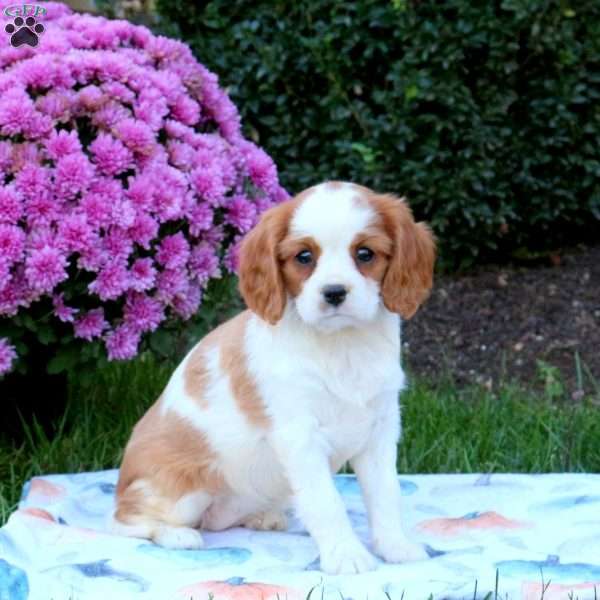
[{"x": 498, "y": 322}]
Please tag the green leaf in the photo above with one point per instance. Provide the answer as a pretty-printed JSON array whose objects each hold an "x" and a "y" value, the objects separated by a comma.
[
  {"x": 46, "y": 335},
  {"x": 65, "y": 360},
  {"x": 161, "y": 341}
]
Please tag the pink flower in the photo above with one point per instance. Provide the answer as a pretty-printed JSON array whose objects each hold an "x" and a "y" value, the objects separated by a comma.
[
  {"x": 186, "y": 110},
  {"x": 118, "y": 91},
  {"x": 200, "y": 219},
  {"x": 12, "y": 243},
  {"x": 14, "y": 296},
  {"x": 208, "y": 183},
  {"x": 90, "y": 325},
  {"x": 33, "y": 181},
  {"x": 181, "y": 155},
  {"x": 41, "y": 210},
  {"x": 136, "y": 135},
  {"x": 43, "y": 235},
  {"x": 151, "y": 108},
  {"x": 63, "y": 312},
  {"x": 117, "y": 245},
  {"x": 75, "y": 234},
  {"x": 204, "y": 263},
  {"x": 62, "y": 143},
  {"x": 16, "y": 109},
  {"x": 93, "y": 258},
  {"x": 91, "y": 98},
  {"x": 5, "y": 157},
  {"x": 170, "y": 284},
  {"x": 7, "y": 356},
  {"x": 173, "y": 252},
  {"x": 143, "y": 275},
  {"x": 143, "y": 313},
  {"x": 110, "y": 115},
  {"x": 73, "y": 175},
  {"x": 143, "y": 230},
  {"x": 100, "y": 202},
  {"x": 141, "y": 191},
  {"x": 214, "y": 236},
  {"x": 24, "y": 155},
  {"x": 111, "y": 282},
  {"x": 39, "y": 126},
  {"x": 123, "y": 214},
  {"x": 111, "y": 156},
  {"x": 57, "y": 104},
  {"x": 169, "y": 192},
  {"x": 186, "y": 306},
  {"x": 5, "y": 275},
  {"x": 261, "y": 167},
  {"x": 122, "y": 343},
  {"x": 241, "y": 213},
  {"x": 45, "y": 268},
  {"x": 231, "y": 260}
]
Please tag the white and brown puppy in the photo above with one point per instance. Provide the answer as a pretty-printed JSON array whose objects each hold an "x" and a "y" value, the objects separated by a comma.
[{"x": 265, "y": 408}]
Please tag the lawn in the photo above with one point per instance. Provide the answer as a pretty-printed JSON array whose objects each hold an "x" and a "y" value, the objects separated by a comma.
[{"x": 446, "y": 429}]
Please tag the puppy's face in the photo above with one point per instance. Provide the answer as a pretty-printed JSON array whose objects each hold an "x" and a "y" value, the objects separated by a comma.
[{"x": 338, "y": 252}]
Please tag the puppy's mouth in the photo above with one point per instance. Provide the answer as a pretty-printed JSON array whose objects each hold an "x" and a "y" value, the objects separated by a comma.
[{"x": 336, "y": 319}]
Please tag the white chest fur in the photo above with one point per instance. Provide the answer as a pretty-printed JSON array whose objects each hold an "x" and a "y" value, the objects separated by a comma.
[{"x": 333, "y": 383}]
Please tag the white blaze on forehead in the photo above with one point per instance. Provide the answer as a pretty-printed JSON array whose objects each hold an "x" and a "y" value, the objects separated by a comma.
[{"x": 332, "y": 214}]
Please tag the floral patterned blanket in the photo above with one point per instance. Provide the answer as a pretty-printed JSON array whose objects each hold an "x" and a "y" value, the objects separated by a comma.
[{"x": 522, "y": 536}]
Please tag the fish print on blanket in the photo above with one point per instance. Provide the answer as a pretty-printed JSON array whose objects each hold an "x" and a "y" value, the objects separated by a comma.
[
  {"x": 74, "y": 574},
  {"x": 474, "y": 527}
]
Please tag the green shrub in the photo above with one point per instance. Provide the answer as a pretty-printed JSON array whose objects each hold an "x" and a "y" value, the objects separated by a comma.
[{"x": 484, "y": 114}]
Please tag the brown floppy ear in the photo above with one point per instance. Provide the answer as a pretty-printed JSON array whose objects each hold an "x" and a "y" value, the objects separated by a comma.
[
  {"x": 261, "y": 281},
  {"x": 409, "y": 276}
]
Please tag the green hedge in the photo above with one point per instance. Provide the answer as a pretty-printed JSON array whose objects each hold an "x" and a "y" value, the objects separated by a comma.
[{"x": 486, "y": 115}]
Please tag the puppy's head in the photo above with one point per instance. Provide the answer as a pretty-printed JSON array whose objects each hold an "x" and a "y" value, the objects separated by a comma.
[{"x": 338, "y": 252}]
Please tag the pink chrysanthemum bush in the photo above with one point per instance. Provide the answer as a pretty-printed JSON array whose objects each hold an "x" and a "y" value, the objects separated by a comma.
[{"x": 125, "y": 186}]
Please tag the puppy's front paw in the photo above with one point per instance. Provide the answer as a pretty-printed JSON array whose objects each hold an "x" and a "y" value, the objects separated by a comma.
[
  {"x": 398, "y": 549},
  {"x": 347, "y": 557}
]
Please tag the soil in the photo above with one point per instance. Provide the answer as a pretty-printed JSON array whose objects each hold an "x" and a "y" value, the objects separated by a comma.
[{"x": 497, "y": 323}]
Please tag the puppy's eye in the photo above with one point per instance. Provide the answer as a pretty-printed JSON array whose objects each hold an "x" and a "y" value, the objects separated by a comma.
[
  {"x": 305, "y": 257},
  {"x": 365, "y": 254}
]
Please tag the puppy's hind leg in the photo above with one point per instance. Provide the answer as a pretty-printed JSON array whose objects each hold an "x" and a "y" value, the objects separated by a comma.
[
  {"x": 240, "y": 511},
  {"x": 141, "y": 512},
  {"x": 267, "y": 520}
]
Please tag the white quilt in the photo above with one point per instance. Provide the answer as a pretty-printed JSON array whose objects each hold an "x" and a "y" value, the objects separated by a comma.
[{"x": 539, "y": 534}]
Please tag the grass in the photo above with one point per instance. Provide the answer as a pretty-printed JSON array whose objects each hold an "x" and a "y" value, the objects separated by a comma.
[{"x": 446, "y": 430}]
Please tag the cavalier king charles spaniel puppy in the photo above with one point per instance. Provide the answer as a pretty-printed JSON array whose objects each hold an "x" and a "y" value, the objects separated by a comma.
[{"x": 269, "y": 405}]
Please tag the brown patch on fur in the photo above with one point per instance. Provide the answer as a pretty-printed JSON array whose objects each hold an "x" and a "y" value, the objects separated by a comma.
[
  {"x": 407, "y": 280},
  {"x": 229, "y": 338},
  {"x": 234, "y": 362},
  {"x": 173, "y": 458},
  {"x": 196, "y": 376},
  {"x": 295, "y": 273},
  {"x": 261, "y": 280}
]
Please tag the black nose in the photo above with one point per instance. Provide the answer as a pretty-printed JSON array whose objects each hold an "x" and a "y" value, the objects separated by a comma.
[{"x": 334, "y": 294}]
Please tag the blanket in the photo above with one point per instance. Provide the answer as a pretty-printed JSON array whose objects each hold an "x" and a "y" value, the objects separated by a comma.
[{"x": 523, "y": 537}]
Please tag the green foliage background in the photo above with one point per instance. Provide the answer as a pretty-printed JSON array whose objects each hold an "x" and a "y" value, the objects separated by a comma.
[{"x": 484, "y": 114}]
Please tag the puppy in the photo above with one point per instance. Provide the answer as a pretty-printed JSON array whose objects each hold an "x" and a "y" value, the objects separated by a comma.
[{"x": 266, "y": 407}]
